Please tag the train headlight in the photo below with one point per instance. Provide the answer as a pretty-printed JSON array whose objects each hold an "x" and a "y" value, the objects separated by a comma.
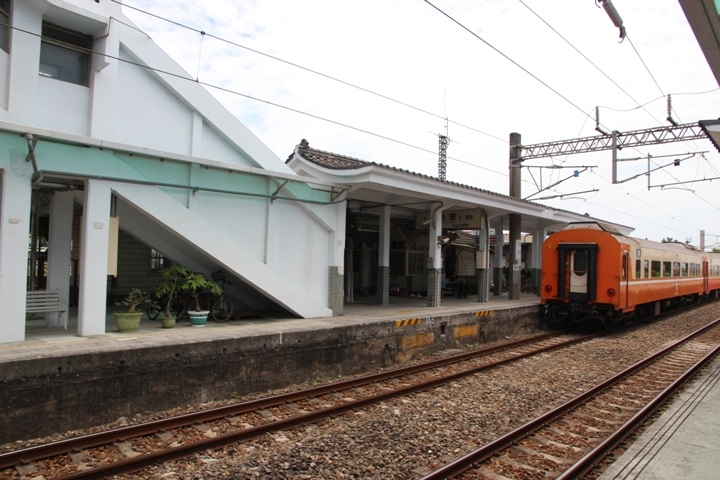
[
  {"x": 611, "y": 292},
  {"x": 548, "y": 288}
]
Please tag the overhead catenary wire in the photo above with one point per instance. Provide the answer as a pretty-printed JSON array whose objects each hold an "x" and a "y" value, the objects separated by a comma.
[
  {"x": 315, "y": 72},
  {"x": 340, "y": 124}
]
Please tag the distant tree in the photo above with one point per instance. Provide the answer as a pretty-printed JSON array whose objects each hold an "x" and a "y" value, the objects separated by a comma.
[
  {"x": 716, "y": 250},
  {"x": 668, "y": 240}
]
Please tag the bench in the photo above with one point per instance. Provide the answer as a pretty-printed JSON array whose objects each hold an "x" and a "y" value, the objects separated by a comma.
[{"x": 46, "y": 301}]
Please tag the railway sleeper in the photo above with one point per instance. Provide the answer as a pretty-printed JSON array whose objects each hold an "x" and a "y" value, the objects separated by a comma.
[
  {"x": 600, "y": 415},
  {"x": 604, "y": 410},
  {"x": 532, "y": 452},
  {"x": 492, "y": 475},
  {"x": 511, "y": 462},
  {"x": 579, "y": 426},
  {"x": 538, "y": 437}
]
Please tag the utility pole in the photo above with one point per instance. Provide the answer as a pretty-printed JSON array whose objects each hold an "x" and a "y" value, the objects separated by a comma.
[{"x": 513, "y": 273}]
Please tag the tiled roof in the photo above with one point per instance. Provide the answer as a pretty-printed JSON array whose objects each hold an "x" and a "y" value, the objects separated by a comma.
[{"x": 341, "y": 162}]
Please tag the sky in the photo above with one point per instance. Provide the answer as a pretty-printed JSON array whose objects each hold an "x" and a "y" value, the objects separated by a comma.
[{"x": 380, "y": 79}]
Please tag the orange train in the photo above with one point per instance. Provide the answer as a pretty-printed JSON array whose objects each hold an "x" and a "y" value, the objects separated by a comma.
[{"x": 593, "y": 274}]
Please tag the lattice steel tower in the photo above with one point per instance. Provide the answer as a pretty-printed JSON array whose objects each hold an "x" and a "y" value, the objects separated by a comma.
[{"x": 442, "y": 156}]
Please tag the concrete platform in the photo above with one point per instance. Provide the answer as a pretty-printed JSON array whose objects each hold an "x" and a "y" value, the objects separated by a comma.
[
  {"x": 683, "y": 443},
  {"x": 363, "y": 310},
  {"x": 56, "y": 381}
]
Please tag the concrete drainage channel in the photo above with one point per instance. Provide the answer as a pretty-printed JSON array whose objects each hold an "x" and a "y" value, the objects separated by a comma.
[{"x": 53, "y": 394}]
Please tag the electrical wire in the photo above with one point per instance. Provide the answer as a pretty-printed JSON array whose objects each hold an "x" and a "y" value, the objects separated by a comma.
[
  {"x": 505, "y": 56},
  {"x": 590, "y": 61},
  {"x": 267, "y": 102},
  {"x": 315, "y": 72}
]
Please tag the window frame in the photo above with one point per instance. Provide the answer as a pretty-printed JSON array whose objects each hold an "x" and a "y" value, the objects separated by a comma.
[
  {"x": 6, "y": 14},
  {"x": 83, "y": 45}
]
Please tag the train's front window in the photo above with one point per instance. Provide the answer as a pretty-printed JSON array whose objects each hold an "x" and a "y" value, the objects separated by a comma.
[{"x": 580, "y": 262}]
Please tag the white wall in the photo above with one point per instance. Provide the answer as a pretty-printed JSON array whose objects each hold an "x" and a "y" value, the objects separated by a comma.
[{"x": 282, "y": 248}]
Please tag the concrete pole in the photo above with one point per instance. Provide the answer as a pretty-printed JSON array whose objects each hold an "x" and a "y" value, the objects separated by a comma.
[
  {"x": 515, "y": 219},
  {"x": 434, "y": 267},
  {"x": 336, "y": 277},
  {"x": 536, "y": 272},
  {"x": 498, "y": 262},
  {"x": 481, "y": 261},
  {"x": 59, "y": 250},
  {"x": 383, "y": 271},
  {"x": 15, "y": 199},
  {"x": 93, "y": 258}
]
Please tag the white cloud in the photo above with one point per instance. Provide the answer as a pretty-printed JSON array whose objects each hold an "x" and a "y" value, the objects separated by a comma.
[{"x": 409, "y": 51}]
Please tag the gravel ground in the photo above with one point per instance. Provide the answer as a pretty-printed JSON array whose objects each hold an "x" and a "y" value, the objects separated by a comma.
[{"x": 408, "y": 437}]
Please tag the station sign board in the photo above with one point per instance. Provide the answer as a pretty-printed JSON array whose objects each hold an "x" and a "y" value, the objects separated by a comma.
[{"x": 471, "y": 219}]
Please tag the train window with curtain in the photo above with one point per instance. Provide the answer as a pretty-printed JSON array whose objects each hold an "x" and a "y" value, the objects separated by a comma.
[
  {"x": 647, "y": 268},
  {"x": 667, "y": 269},
  {"x": 676, "y": 269},
  {"x": 684, "y": 272},
  {"x": 638, "y": 269},
  {"x": 655, "y": 268}
]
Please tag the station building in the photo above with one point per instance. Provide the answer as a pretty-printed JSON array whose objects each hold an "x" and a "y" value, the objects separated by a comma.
[{"x": 114, "y": 161}]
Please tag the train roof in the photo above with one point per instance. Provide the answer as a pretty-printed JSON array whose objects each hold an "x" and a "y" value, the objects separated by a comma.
[{"x": 679, "y": 247}]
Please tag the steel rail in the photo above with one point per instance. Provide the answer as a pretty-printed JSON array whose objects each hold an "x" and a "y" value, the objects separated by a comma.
[
  {"x": 142, "y": 462},
  {"x": 60, "y": 447},
  {"x": 483, "y": 453},
  {"x": 589, "y": 461}
]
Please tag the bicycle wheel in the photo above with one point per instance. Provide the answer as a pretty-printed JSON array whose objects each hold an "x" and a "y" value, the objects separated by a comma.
[
  {"x": 152, "y": 312},
  {"x": 205, "y": 299},
  {"x": 222, "y": 309},
  {"x": 179, "y": 308}
]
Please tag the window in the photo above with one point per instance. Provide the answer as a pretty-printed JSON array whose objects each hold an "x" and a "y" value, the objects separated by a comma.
[
  {"x": 580, "y": 261},
  {"x": 638, "y": 269},
  {"x": 676, "y": 269},
  {"x": 417, "y": 262},
  {"x": 667, "y": 269},
  {"x": 5, "y": 20},
  {"x": 656, "y": 268},
  {"x": 65, "y": 54},
  {"x": 157, "y": 260},
  {"x": 647, "y": 268},
  {"x": 684, "y": 267}
]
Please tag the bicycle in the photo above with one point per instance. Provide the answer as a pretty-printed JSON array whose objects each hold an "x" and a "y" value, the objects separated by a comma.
[
  {"x": 222, "y": 309},
  {"x": 178, "y": 307}
]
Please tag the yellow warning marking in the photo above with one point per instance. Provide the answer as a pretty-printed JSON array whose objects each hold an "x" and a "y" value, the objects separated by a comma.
[
  {"x": 466, "y": 331},
  {"x": 483, "y": 313},
  {"x": 408, "y": 321},
  {"x": 415, "y": 341}
]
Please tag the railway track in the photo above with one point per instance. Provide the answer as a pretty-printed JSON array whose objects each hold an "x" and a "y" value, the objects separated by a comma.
[
  {"x": 570, "y": 440},
  {"x": 134, "y": 448}
]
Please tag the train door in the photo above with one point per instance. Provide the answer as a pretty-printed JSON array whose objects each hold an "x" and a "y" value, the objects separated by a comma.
[
  {"x": 706, "y": 286},
  {"x": 577, "y": 272},
  {"x": 624, "y": 284}
]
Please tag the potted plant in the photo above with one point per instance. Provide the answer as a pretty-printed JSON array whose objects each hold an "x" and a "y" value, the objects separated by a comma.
[
  {"x": 128, "y": 319},
  {"x": 172, "y": 278},
  {"x": 196, "y": 284}
]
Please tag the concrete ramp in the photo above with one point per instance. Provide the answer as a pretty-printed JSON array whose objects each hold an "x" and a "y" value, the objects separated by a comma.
[{"x": 158, "y": 219}]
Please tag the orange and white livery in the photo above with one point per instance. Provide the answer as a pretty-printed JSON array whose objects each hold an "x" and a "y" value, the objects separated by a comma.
[{"x": 590, "y": 273}]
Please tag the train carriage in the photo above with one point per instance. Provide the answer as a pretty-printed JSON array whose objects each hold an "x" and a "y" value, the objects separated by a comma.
[{"x": 594, "y": 274}]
